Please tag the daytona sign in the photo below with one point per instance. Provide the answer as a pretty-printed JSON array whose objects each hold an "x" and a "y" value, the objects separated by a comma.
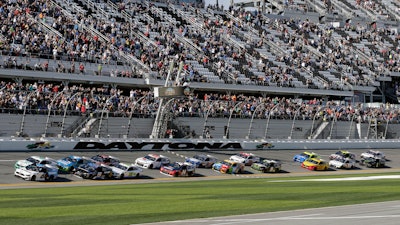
[{"x": 157, "y": 145}]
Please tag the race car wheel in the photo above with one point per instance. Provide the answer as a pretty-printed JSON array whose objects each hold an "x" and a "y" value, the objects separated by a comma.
[
  {"x": 33, "y": 178},
  {"x": 137, "y": 175},
  {"x": 151, "y": 166},
  {"x": 121, "y": 177},
  {"x": 190, "y": 173}
]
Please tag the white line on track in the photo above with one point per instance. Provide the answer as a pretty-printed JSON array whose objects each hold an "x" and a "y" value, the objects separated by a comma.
[
  {"x": 8, "y": 160},
  {"x": 291, "y": 218},
  {"x": 343, "y": 178}
]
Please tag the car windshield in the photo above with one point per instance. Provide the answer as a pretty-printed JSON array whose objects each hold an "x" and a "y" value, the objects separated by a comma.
[
  {"x": 122, "y": 167},
  {"x": 149, "y": 157},
  {"x": 199, "y": 157},
  {"x": 32, "y": 168},
  {"x": 69, "y": 159},
  {"x": 97, "y": 158},
  {"x": 32, "y": 160},
  {"x": 176, "y": 166},
  {"x": 243, "y": 155},
  {"x": 313, "y": 161}
]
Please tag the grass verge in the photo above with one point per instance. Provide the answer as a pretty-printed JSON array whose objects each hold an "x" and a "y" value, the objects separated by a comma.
[{"x": 141, "y": 203}]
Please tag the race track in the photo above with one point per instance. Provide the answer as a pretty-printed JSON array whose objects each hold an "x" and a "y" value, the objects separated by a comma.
[
  {"x": 290, "y": 168},
  {"x": 387, "y": 213}
]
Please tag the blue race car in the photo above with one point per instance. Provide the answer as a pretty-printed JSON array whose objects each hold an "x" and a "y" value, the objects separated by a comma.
[
  {"x": 304, "y": 156},
  {"x": 70, "y": 163}
]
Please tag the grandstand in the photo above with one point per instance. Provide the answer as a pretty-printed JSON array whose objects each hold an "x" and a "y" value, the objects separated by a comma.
[{"x": 85, "y": 68}]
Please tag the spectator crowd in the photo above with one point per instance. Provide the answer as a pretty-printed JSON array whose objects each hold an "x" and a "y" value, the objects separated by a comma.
[
  {"x": 223, "y": 45},
  {"x": 228, "y": 46},
  {"x": 39, "y": 98}
]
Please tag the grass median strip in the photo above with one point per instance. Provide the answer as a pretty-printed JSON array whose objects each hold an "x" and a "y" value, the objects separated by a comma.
[{"x": 141, "y": 203}]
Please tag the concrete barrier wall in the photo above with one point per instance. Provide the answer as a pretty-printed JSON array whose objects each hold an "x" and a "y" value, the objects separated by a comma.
[{"x": 90, "y": 144}]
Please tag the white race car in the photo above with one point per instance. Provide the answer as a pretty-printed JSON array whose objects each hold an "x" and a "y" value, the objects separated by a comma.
[
  {"x": 202, "y": 160},
  {"x": 123, "y": 170},
  {"x": 36, "y": 160},
  {"x": 342, "y": 163},
  {"x": 37, "y": 173},
  {"x": 373, "y": 154},
  {"x": 152, "y": 161},
  {"x": 246, "y": 158}
]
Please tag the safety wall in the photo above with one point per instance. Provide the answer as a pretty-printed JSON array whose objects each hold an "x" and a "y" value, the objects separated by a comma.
[{"x": 90, "y": 144}]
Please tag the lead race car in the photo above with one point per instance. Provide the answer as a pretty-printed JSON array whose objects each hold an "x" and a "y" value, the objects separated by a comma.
[
  {"x": 36, "y": 160},
  {"x": 37, "y": 173}
]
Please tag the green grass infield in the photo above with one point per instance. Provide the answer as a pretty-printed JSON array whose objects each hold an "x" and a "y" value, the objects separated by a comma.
[{"x": 152, "y": 202}]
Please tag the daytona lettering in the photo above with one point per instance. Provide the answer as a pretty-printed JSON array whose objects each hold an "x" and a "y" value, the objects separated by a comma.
[{"x": 156, "y": 145}]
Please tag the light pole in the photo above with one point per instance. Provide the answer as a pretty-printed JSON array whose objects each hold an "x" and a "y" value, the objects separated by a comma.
[
  {"x": 386, "y": 128},
  {"x": 229, "y": 120},
  {"x": 294, "y": 119},
  {"x": 269, "y": 117},
  {"x": 65, "y": 112},
  {"x": 206, "y": 117},
  {"x": 26, "y": 101},
  {"x": 102, "y": 113},
  {"x": 252, "y": 118},
  {"x": 130, "y": 116},
  {"x": 48, "y": 114},
  {"x": 333, "y": 122},
  {"x": 315, "y": 116},
  {"x": 351, "y": 125}
]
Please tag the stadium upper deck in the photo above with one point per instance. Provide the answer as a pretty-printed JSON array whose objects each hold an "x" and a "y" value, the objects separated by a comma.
[{"x": 133, "y": 43}]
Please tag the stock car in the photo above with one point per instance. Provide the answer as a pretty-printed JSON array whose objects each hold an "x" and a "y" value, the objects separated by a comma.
[
  {"x": 36, "y": 160},
  {"x": 94, "y": 171},
  {"x": 315, "y": 164},
  {"x": 106, "y": 159},
  {"x": 69, "y": 163},
  {"x": 246, "y": 158},
  {"x": 178, "y": 169},
  {"x": 37, "y": 173},
  {"x": 152, "y": 161},
  {"x": 267, "y": 165},
  {"x": 372, "y": 154},
  {"x": 342, "y": 154},
  {"x": 342, "y": 163},
  {"x": 228, "y": 166},
  {"x": 202, "y": 160},
  {"x": 373, "y": 162},
  {"x": 304, "y": 156},
  {"x": 123, "y": 170}
]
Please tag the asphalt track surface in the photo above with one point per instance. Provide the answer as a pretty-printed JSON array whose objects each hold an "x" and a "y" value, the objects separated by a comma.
[
  {"x": 387, "y": 213},
  {"x": 289, "y": 168}
]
